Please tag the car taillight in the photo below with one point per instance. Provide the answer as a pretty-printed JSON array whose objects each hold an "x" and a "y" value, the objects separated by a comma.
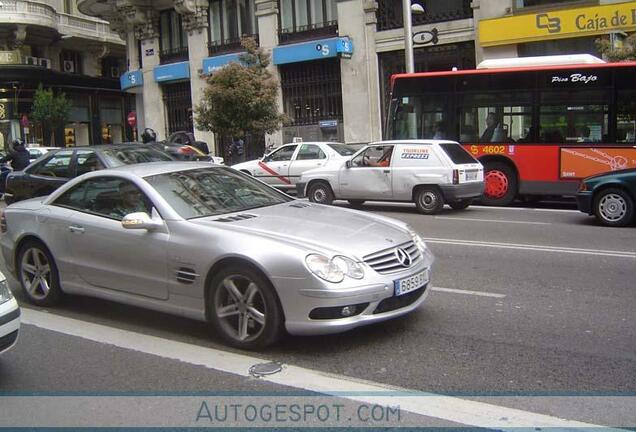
[
  {"x": 455, "y": 176},
  {"x": 3, "y": 223}
]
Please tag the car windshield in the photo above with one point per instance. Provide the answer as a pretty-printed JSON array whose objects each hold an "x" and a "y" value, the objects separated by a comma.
[
  {"x": 343, "y": 150},
  {"x": 130, "y": 155},
  {"x": 213, "y": 191}
]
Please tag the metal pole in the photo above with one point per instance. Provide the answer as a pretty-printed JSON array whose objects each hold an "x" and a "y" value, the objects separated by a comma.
[{"x": 408, "y": 36}]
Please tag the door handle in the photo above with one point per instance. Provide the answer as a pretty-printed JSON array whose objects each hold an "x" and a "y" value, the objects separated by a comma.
[
  {"x": 386, "y": 171},
  {"x": 76, "y": 229}
]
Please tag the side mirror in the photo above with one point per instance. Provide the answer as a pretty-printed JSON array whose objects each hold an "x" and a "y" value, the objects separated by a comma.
[
  {"x": 348, "y": 164},
  {"x": 140, "y": 220}
]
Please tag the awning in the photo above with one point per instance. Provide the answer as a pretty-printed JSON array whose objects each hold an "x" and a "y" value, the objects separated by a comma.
[
  {"x": 210, "y": 64},
  {"x": 172, "y": 72},
  {"x": 131, "y": 79}
]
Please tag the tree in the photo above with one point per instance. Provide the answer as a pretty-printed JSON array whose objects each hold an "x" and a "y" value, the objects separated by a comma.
[
  {"x": 241, "y": 98},
  {"x": 626, "y": 52},
  {"x": 50, "y": 110}
]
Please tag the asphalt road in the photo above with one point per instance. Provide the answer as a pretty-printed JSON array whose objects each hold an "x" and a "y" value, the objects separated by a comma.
[{"x": 526, "y": 300}]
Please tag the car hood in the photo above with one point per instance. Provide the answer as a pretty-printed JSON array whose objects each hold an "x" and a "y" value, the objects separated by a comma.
[
  {"x": 322, "y": 228},
  {"x": 247, "y": 165}
]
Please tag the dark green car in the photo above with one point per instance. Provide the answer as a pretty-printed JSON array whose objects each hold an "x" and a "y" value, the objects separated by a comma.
[{"x": 609, "y": 196}]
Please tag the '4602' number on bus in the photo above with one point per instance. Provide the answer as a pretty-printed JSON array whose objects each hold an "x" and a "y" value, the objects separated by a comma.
[{"x": 497, "y": 149}]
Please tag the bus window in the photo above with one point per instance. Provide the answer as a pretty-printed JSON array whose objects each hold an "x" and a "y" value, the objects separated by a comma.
[
  {"x": 419, "y": 117},
  {"x": 626, "y": 117},
  {"x": 492, "y": 117},
  {"x": 573, "y": 116}
]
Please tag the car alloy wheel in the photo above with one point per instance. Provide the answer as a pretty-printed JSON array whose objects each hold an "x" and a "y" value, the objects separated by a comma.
[
  {"x": 240, "y": 307},
  {"x": 38, "y": 274}
]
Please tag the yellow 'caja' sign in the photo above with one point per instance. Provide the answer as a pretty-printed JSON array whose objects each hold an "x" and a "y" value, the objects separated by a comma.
[{"x": 558, "y": 24}]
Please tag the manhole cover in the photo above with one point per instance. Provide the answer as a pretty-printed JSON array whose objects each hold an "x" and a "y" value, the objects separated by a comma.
[{"x": 262, "y": 369}]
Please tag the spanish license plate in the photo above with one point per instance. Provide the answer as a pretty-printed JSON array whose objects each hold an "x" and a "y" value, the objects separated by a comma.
[
  {"x": 411, "y": 283},
  {"x": 471, "y": 175}
]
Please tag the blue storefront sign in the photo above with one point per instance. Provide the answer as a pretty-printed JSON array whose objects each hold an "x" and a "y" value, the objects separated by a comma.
[
  {"x": 172, "y": 72},
  {"x": 131, "y": 79},
  {"x": 314, "y": 50},
  {"x": 210, "y": 64}
]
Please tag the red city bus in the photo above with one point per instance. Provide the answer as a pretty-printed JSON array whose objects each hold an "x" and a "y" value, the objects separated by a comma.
[{"x": 536, "y": 129}]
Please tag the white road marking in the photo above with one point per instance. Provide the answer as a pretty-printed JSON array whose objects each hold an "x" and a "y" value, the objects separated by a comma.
[
  {"x": 468, "y": 292},
  {"x": 524, "y": 208},
  {"x": 453, "y": 409},
  {"x": 492, "y": 220},
  {"x": 536, "y": 248}
]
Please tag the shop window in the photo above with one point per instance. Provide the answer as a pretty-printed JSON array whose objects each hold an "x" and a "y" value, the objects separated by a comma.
[
  {"x": 172, "y": 37},
  {"x": 521, "y": 4},
  {"x": 573, "y": 116},
  {"x": 312, "y": 91},
  {"x": 230, "y": 20},
  {"x": 71, "y": 62},
  {"x": 307, "y": 19}
]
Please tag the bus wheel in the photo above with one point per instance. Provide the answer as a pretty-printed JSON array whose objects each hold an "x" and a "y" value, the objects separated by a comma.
[{"x": 501, "y": 184}]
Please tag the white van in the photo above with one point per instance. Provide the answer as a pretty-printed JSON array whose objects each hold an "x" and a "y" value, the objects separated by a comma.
[{"x": 427, "y": 172}]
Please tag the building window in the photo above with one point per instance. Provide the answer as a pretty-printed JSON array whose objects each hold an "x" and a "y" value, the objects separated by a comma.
[
  {"x": 173, "y": 38},
  {"x": 68, "y": 6},
  {"x": 312, "y": 91},
  {"x": 389, "y": 12},
  {"x": 110, "y": 67},
  {"x": 307, "y": 19},
  {"x": 177, "y": 101},
  {"x": 520, "y": 4},
  {"x": 71, "y": 62},
  {"x": 229, "y": 21}
]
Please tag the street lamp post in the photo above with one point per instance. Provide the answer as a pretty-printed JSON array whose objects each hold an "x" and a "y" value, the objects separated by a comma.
[{"x": 408, "y": 36}]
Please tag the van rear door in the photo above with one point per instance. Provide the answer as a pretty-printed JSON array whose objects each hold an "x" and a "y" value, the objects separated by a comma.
[{"x": 468, "y": 168}]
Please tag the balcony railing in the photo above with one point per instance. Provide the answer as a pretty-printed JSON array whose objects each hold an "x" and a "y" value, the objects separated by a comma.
[
  {"x": 173, "y": 55},
  {"x": 228, "y": 46},
  {"x": 307, "y": 32},
  {"x": 41, "y": 14},
  {"x": 390, "y": 12}
]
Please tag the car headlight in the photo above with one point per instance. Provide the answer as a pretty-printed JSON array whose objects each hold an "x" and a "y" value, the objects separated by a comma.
[
  {"x": 324, "y": 268},
  {"x": 421, "y": 246},
  {"x": 349, "y": 267},
  {"x": 5, "y": 292}
]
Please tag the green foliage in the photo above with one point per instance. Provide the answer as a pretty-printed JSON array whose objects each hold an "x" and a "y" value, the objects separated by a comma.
[
  {"x": 625, "y": 53},
  {"x": 49, "y": 108},
  {"x": 241, "y": 99}
]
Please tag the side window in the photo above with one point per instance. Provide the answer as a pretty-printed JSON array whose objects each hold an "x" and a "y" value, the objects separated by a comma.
[
  {"x": 110, "y": 197},
  {"x": 87, "y": 161},
  {"x": 285, "y": 153},
  {"x": 310, "y": 152},
  {"x": 55, "y": 166},
  {"x": 374, "y": 156},
  {"x": 626, "y": 117}
]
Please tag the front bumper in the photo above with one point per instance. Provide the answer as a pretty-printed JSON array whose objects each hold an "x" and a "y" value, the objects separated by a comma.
[
  {"x": 375, "y": 302},
  {"x": 462, "y": 191},
  {"x": 9, "y": 324},
  {"x": 584, "y": 202},
  {"x": 300, "y": 190}
]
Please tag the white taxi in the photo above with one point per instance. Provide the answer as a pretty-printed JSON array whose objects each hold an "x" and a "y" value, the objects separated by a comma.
[
  {"x": 283, "y": 167},
  {"x": 427, "y": 172},
  {"x": 9, "y": 316}
]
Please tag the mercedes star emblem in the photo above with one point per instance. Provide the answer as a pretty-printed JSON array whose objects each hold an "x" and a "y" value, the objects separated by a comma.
[{"x": 403, "y": 257}]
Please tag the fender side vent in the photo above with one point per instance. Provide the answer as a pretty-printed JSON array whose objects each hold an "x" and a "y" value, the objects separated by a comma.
[
  {"x": 186, "y": 275},
  {"x": 235, "y": 218},
  {"x": 300, "y": 205}
]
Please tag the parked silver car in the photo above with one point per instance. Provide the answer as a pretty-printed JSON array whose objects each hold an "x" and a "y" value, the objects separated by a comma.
[
  {"x": 9, "y": 316},
  {"x": 214, "y": 244}
]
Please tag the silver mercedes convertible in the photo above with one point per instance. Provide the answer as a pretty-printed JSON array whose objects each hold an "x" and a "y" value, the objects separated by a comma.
[{"x": 211, "y": 243}]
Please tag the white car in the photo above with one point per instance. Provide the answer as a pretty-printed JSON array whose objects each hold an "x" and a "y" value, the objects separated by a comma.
[
  {"x": 283, "y": 166},
  {"x": 427, "y": 172},
  {"x": 9, "y": 316}
]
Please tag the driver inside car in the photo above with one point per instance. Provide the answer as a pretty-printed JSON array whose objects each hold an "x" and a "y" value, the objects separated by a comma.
[
  {"x": 130, "y": 200},
  {"x": 384, "y": 160}
]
